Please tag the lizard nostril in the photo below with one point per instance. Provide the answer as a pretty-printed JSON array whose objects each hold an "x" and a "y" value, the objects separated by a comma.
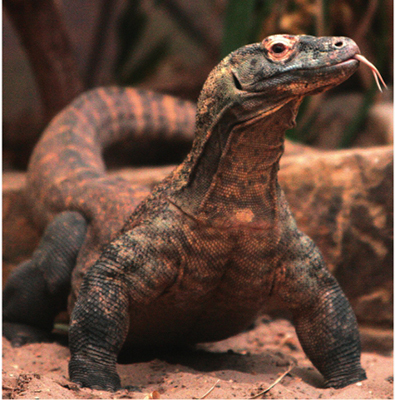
[
  {"x": 236, "y": 82},
  {"x": 339, "y": 44}
]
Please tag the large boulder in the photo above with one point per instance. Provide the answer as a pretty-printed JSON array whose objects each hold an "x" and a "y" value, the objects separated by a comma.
[{"x": 344, "y": 201}]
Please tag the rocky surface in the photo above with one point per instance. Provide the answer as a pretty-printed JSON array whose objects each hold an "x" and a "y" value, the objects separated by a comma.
[{"x": 344, "y": 201}]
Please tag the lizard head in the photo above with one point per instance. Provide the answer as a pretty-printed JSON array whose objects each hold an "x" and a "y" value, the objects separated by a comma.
[{"x": 260, "y": 78}]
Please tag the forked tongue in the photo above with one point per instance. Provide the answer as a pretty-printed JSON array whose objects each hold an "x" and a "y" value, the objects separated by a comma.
[{"x": 374, "y": 70}]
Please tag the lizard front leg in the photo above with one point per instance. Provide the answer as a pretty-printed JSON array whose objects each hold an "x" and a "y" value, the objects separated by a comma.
[
  {"x": 329, "y": 335},
  {"x": 130, "y": 274},
  {"x": 38, "y": 289},
  {"x": 324, "y": 320},
  {"x": 98, "y": 327}
]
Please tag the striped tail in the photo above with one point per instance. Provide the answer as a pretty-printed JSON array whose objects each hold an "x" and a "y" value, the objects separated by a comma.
[{"x": 67, "y": 167}]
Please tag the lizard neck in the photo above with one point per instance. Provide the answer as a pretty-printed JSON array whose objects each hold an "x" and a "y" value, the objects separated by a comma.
[{"x": 234, "y": 180}]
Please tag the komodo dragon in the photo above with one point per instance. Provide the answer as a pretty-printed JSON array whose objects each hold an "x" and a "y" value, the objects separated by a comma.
[{"x": 215, "y": 241}]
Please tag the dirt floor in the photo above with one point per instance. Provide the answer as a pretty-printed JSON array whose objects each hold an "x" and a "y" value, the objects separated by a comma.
[{"x": 239, "y": 367}]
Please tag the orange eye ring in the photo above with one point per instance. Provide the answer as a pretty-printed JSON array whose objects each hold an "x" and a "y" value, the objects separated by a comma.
[{"x": 279, "y": 47}]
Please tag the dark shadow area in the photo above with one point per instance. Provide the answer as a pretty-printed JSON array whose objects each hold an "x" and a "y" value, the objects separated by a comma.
[
  {"x": 140, "y": 153},
  {"x": 201, "y": 360},
  {"x": 61, "y": 338},
  {"x": 309, "y": 375}
]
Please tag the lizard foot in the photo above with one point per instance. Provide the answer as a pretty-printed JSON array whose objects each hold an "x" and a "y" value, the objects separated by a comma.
[
  {"x": 86, "y": 373},
  {"x": 21, "y": 334},
  {"x": 341, "y": 381}
]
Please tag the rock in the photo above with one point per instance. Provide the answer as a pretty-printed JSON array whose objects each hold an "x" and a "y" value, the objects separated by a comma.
[{"x": 343, "y": 200}]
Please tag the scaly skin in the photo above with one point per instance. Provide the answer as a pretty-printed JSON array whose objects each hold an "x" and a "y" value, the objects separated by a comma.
[{"x": 215, "y": 241}]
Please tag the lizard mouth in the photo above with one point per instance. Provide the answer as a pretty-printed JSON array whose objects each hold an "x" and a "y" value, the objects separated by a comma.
[
  {"x": 323, "y": 77},
  {"x": 351, "y": 64},
  {"x": 360, "y": 58}
]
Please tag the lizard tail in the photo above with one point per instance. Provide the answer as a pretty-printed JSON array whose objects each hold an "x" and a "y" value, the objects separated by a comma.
[{"x": 68, "y": 161}]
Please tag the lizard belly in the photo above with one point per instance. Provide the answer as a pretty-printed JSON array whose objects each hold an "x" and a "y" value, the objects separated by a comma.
[
  {"x": 220, "y": 288},
  {"x": 161, "y": 324}
]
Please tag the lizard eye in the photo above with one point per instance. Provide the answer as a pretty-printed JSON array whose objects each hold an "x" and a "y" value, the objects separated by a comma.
[{"x": 278, "y": 48}]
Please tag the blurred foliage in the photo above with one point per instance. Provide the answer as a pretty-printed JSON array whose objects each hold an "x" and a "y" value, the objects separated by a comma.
[
  {"x": 131, "y": 28},
  {"x": 243, "y": 23},
  {"x": 177, "y": 35},
  {"x": 368, "y": 22}
]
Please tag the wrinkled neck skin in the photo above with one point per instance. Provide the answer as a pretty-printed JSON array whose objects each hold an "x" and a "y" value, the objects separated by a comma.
[{"x": 234, "y": 180}]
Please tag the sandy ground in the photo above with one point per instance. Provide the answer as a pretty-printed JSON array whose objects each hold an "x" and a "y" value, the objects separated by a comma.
[{"x": 239, "y": 367}]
